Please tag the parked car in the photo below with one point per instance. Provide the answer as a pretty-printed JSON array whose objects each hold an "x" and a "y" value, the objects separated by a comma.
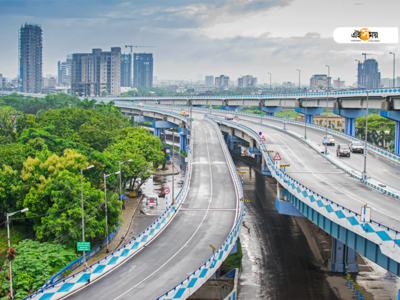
[
  {"x": 343, "y": 150},
  {"x": 229, "y": 117},
  {"x": 356, "y": 146},
  {"x": 328, "y": 140}
]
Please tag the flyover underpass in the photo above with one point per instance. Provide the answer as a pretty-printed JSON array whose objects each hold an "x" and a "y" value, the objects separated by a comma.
[{"x": 206, "y": 217}]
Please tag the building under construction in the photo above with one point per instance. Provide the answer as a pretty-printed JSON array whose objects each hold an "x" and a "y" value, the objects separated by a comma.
[
  {"x": 30, "y": 58},
  {"x": 368, "y": 75},
  {"x": 97, "y": 73}
]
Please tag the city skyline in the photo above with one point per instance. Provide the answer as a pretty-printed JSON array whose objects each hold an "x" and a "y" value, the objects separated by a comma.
[{"x": 196, "y": 37}]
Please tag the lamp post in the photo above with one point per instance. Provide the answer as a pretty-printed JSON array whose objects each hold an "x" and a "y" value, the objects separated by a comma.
[
  {"x": 105, "y": 203},
  {"x": 120, "y": 179},
  {"x": 358, "y": 71},
  {"x": 284, "y": 113},
  {"x": 305, "y": 116},
  {"x": 83, "y": 218},
  {"x": 327, "y": 101},
  {"x": 9, "y": 246},
  {"x": 270, "y": 83},
  {"x": 366, "y": 135},
  {"x": 299, "y": 79},
  {"x": 394, "y": 60},
  {"x": 173, "y": 177}
]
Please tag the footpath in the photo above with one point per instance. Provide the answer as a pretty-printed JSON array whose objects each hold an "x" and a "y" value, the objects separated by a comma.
[
  {"x": 132, "y": 208},
  {"x": 171, "y": 168}
]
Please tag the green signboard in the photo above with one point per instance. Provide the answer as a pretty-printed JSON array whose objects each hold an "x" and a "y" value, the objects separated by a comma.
[
  {"x": 191, "y": 120},
  {"x": 83, "y": 246},
  {"x": 261, "y": 115}
]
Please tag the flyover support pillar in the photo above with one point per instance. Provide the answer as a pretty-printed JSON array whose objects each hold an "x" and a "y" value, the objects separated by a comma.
[
  {"x": 157, "y": 132},
  {"x": 342, "y": 256},
  {"x": 264, "y": 168},
  {"x": 350, "y": 116},
  {"x": 309, "y": 113},
  {"x": 183, "y": 136},
  {"x": 395, "y": 116},
  {"x": 270, "y": 110}
]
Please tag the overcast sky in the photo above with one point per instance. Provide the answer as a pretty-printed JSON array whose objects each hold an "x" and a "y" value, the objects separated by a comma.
[{"x": 192, "y": 37}]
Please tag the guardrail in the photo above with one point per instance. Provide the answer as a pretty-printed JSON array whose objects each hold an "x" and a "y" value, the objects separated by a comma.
[
  {"x": 79, "y": 261},
  {"x": 280, "y": 174},
  {"x": 379, "y": 150},
  {"x": 195, "y": 280},
  {"x": 72, "y": 283}
]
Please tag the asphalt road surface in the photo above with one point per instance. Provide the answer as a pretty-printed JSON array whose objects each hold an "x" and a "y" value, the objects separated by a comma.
[{"x": 206, "y": 217}]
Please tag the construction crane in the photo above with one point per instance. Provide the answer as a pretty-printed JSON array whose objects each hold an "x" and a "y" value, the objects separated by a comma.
[
  {"x": 132, "y": 46},
  {"x": 365, "y": 55}
]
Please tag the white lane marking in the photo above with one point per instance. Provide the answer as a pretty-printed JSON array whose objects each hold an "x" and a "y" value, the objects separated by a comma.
[
  {"x": 197, "y": 229},
  {"x": 341, "y": 191}
]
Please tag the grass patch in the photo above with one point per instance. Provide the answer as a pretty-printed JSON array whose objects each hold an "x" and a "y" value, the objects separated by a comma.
[
  {"x": 17, "y": 233},
  {"x": 291, "y": 114},
  {"x": 233, "y": 260}
]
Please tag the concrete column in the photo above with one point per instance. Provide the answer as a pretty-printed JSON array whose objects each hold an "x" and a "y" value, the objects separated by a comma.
[
  {"x": 342, "y": 256},
  {"x": 395, "y": 116},
  {"x": 309, "y": 119},
  {"x": 350, "y": 116},
  {"x": 309, "y": 113},
  {"x": 157, "y": 132},
  {"x": 279, "y": 191},
  {"x": 258, "y": 159},
  {"x": 183, "y": 136},
  {"x": 270, "y": 110}
]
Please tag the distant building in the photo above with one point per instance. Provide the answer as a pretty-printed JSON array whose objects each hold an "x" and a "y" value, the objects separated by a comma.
[
  {"x": 97, "y": 73},
  {"x": 334, "y": 121},
  {"x": 368, "y": 75},
  {"x": 126, "y": 70},
  {"x": 289, "y": 85},
  {"x": 202, "y": 88},
  {"x": 64, "y": 71},
  {"x": 398, "y": 82},
  {"x": 386, "y": 82},
  {"x": 246, "y": 81},
  {"x": 209, "y": 80},
  {"x": 143, "y": 69},
  {"x": 337, "y": 84},
  {"x": 30, "y": 58},
  {"x": 320, "y": 81},
  {"x": 49, "y": 82},
  {"x": 222, "y": 81}
]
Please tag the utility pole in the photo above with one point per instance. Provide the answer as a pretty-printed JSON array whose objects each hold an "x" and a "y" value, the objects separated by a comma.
[
  {"x": 133, "y": 46},
  {"x": 394, "y": 60},
  {"x": 358, "y": 74}
]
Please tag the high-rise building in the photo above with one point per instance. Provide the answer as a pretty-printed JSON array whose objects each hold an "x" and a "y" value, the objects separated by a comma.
[
  {"x": 368, "y": 74},
  {"x": 246, "y": 81},
  {"x": 97, "y": 73},
  {"x": 209, "y": 80},
  {"x": 397, "y": 82},
  {"x": 320, "y": 81},
  {"x": 337, "y": 84},
  {"x": 222, "y": 81},
  {"x": 126, "y": 70},
  {"x": 143, "y": 69},
  {"x": 1, "y": 81},
  {"x": 64, "y": 71},
  {"x": 30, "y": 58}
]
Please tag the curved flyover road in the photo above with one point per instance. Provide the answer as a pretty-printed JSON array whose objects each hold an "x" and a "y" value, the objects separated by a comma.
[{"x": 206, "y": 217}]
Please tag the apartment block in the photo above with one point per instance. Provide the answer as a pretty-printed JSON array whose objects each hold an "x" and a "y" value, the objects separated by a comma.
[
  {"x": 368, "y": 75},
  {"x": 222, "y": 81},
  {"x": 30, "y": 58},
  {"x": 143, "y": 69},
  {"x": 97, "y": 73},
  {"x": 209, "y": 80},
  {"x": 126, "y": 70},
  {"x": 247, "y": 81}
]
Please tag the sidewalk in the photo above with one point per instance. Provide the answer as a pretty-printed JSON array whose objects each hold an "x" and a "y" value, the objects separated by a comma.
[
  {"x": 168, "y": 172},
  {"x": 130, "y": 206}
]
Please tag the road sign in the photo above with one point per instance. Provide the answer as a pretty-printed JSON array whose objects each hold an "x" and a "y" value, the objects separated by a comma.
[
  {"x": 269, "y": 151},
  {"x": 212, "y": 247},
  {"x": 365, "y": 151},
  {"x": 245, "y": 200},
  {"x": 285, "y": 166},
  {"x": 261, "y": 115},
  {"x": 83, "y": 246},
  {"x": 260, "y": 133},
  {"x": 262, "y": 139},
  {"x": 277, "y": 156},
  {"x": 191, "y": 120},
  {"x": 242, "y": 172},
  {"x": 220, "y": 122},
  {"x": 166, "y": 191}
]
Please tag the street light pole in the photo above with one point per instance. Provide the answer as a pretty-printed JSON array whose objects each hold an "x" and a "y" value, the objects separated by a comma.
[
  {"x": 173, "y": 171},
  {"x": 394, "y": 60},
  {"x": 105, "y": 204},
  {"x": 284, "y": 113},
  {"x": 83, "y": 218},
  {"x": 270, "y": 83},
  {"x": 305, "y": 116},
  {"x": 120, "y": 179},
  {"x": 327, "y": 101},
  {"x": 299, "y": 79},
  {"x": 9, "y": 246},
  {"x": 366, "y": 140},
  {"x": 358, "y": 71}
]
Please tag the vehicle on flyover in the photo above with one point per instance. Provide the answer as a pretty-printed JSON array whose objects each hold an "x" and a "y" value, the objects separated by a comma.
[
  {"x": 229, "y": 117},
  {"x": 343, "y": 150},
  {"x": 356, "y": 146},
  {"x": 183, "y": 113},
  {"x": 328, "y": 140}
]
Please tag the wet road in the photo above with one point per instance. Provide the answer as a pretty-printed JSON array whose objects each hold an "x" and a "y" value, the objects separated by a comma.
[{"x": 277, "y": 260}]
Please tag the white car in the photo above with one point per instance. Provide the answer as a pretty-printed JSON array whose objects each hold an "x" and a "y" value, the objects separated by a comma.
[
  {"x": 229, "y": 117},
  {"x": 357, "y": 146},
  {"x": 328, "y": 140}
]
